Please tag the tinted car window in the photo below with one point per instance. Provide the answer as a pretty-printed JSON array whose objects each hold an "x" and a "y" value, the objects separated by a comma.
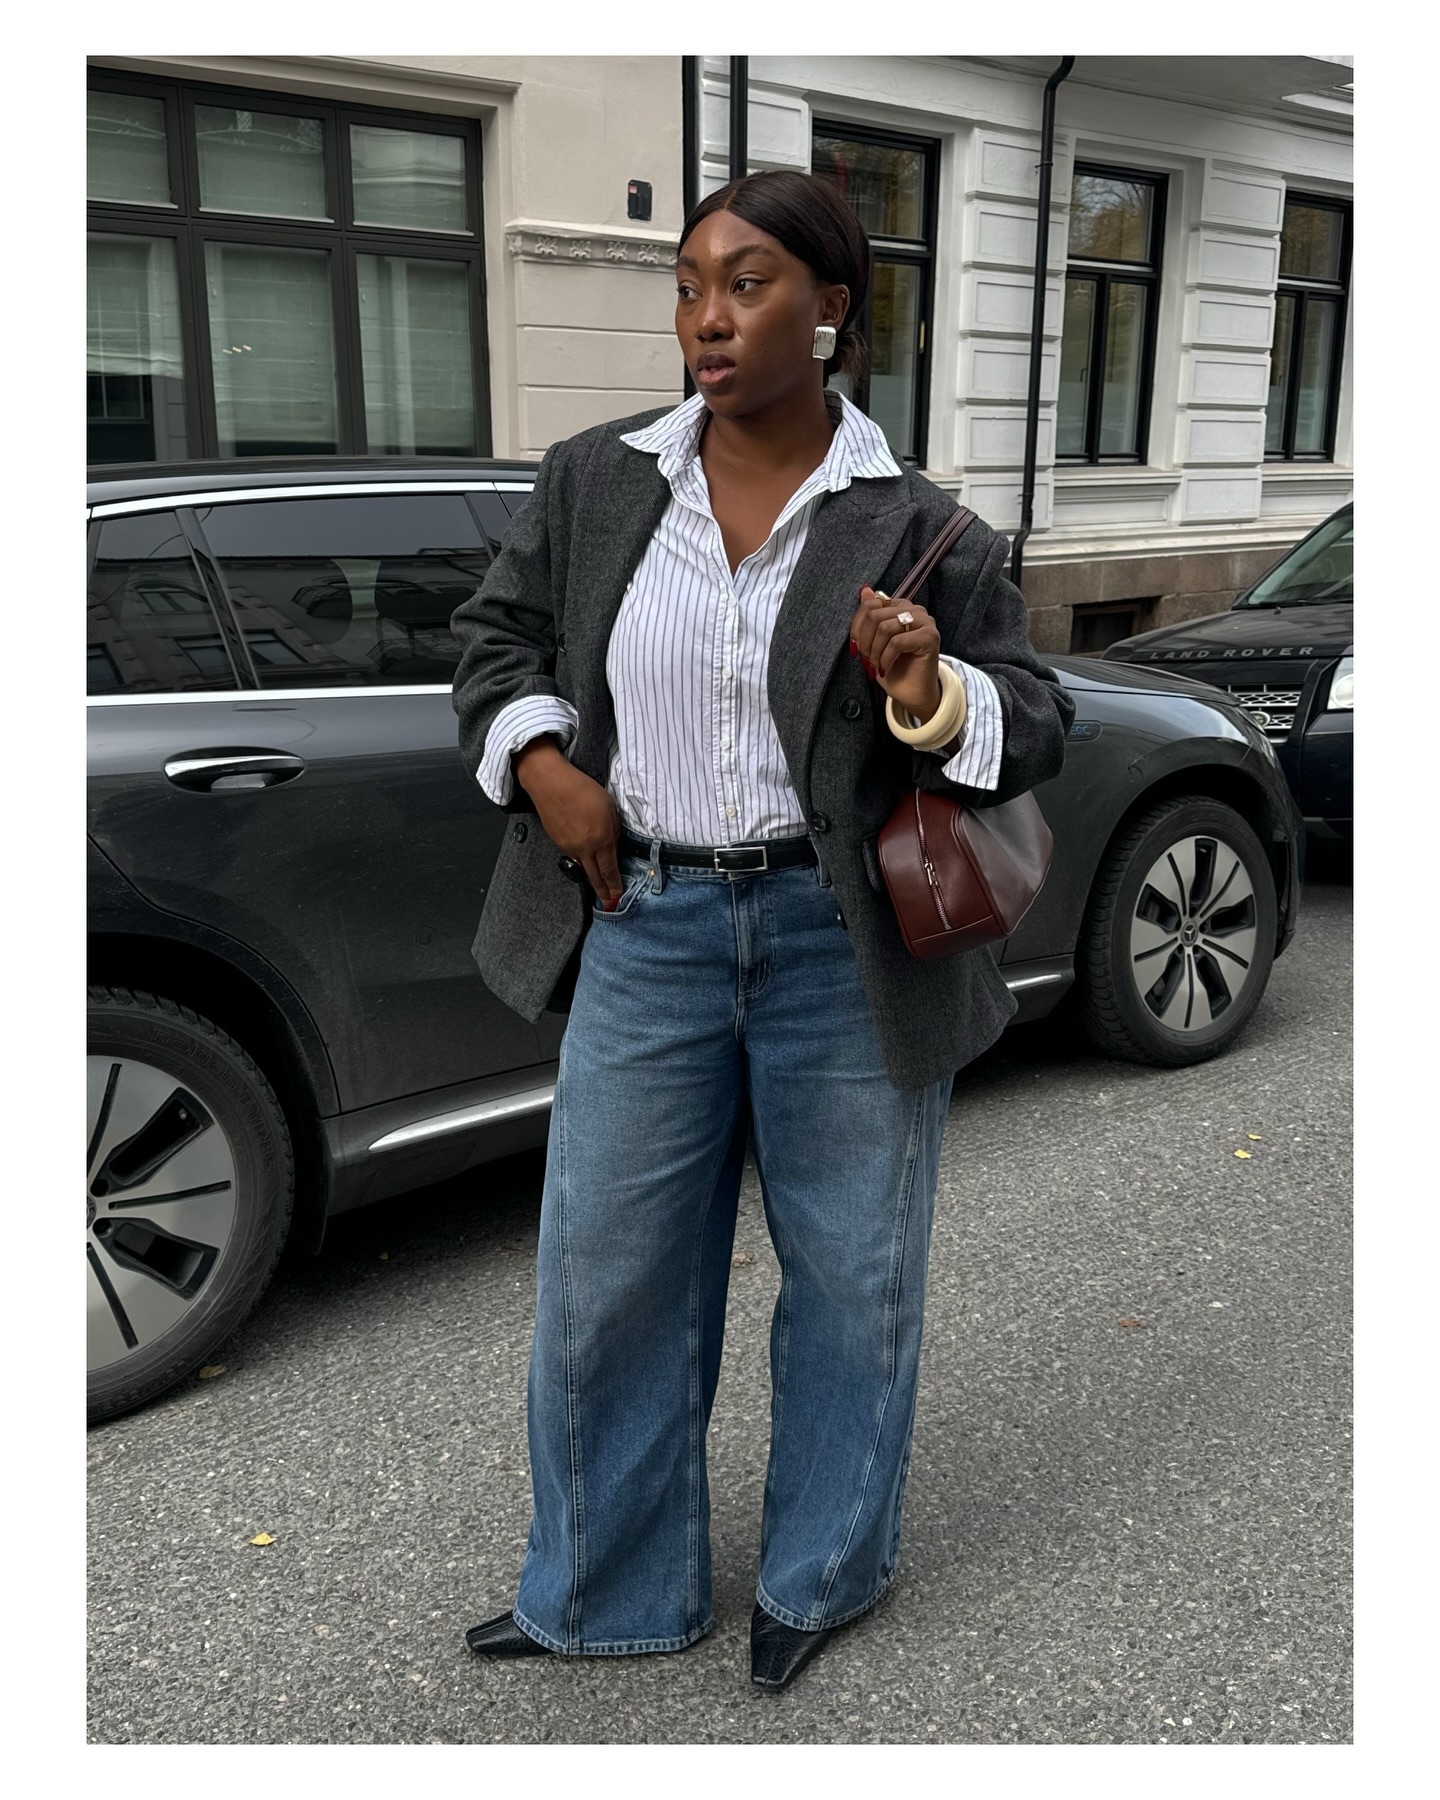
[
  {"x": 1321, "y": 567},
  {"x": 348, "y": 592},
  {"x": 151, "y": 627}
]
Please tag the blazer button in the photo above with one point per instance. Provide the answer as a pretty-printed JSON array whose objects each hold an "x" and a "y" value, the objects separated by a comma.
[
  {"x": 518, "y": 831},
  {"x": 819, "y": 822},
  {"x": 850, "y": 707}
]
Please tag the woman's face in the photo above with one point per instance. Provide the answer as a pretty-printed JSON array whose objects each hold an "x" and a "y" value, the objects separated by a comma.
[{"x": 745, "y": 315}]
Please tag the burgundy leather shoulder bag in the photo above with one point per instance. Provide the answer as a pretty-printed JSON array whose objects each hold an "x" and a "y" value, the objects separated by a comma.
[{"x": 959, "y": 877}]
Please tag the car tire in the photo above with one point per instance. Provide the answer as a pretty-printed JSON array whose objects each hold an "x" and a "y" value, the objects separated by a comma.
[
  {"x": 189, "y": 1192},
  {"x": 1179, "y": 934}
]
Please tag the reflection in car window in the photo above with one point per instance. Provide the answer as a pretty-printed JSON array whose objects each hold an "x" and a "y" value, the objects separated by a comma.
[
  {"x": 1321, "y": 568},
  {"x": 348, "y": 592},
  {"x": 151, "y": 628}
]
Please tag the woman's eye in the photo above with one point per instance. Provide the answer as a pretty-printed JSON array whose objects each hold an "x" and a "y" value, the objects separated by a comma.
[{"x": 748, "y": 281}]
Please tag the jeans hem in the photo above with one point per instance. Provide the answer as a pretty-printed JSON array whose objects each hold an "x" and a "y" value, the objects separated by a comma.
[
  {"x": 800, "y": 1621},
  {"x": 626, "y": 1647}
]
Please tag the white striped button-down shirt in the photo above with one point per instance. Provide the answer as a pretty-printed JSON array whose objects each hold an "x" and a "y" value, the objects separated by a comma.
[{"x": 697, "y": 759}]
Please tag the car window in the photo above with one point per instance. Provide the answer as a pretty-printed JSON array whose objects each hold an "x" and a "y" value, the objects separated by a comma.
[
  {"x": 1320, "y": 568},
  {"x": 151, "y": 626},
  {"x": 348, "y": 592}
]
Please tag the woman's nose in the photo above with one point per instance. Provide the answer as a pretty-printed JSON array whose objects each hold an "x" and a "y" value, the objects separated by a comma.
[{"x": 714, "y": 320}]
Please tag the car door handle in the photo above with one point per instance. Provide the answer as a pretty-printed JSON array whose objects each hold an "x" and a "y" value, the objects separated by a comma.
[{"x": 225, "y": 771}]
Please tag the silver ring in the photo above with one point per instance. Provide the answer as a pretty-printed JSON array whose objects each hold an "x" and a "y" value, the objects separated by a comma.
[{"x": 904, "y": 618}]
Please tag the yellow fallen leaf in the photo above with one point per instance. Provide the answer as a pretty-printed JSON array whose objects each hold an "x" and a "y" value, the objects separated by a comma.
[
  {"x": 1254, "y": 1136},
  {"x": 263, "y": 1537},
  {"x": 1244, "y": 1155},
  {"x": 384, "y": 1256},
  {"x": 211, "y": 1370}
]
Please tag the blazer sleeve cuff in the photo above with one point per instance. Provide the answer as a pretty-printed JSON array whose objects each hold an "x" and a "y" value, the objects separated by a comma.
[{"x": 514, "y": 726}]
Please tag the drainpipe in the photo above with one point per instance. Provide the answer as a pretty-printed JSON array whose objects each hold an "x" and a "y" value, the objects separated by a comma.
[
  {"x": 1037, "y": 317},
  {"x": 690, "y": 150},
  {"x": 690, "y": 129},
  {"x": 739, "y": 115}
]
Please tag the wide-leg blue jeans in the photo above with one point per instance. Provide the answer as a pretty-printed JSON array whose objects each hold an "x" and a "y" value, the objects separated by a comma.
[{"x": 700, "y": 991}]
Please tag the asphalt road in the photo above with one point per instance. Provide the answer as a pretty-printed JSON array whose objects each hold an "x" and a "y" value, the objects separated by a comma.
[{"x": 1128, "y": 1510}]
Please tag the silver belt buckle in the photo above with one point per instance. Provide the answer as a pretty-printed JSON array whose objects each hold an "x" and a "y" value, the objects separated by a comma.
[{"x": 747, "y": 868}]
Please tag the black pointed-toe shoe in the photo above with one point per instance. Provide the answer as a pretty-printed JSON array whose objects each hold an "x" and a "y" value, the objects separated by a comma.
[
  {"x": 503, "y": 1637},
  {"x": 779, "y": 1652}
]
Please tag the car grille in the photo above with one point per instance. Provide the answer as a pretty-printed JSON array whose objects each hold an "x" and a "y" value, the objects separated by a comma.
[{"x": 1272, "y": 709}]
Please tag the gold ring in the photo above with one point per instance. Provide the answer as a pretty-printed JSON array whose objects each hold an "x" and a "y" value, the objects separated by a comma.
[{"x": 905, "y": 618}]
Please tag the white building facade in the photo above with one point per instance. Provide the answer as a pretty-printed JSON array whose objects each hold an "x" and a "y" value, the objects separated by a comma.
[{"x": 440, "y": 256}]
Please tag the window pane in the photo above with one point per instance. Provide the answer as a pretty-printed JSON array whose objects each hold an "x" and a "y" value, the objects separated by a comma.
[
  {"x": 272, "y": 350},
  {"x": 884, "y": 184},
  {"x": 349, "y": 592},
  {"x": 1120, "y": 392},
  {"x": 1075, "y": 344},
  {"x": 1110, "y": 218},
  {"x": 261, "y": 162},
  {"x": 413, "y": 179},
  {"x": 135, "y": 375},
  {"x": 894, "y": 350},
  {"x": 1317, "y": 346},
  {"x": 415, "y": 350},
  {"x": 125, "y": 150},
  {"x": 1310, "y": 242},
  {"x": 1279, "y": 374},
  {"x": 151, "y": 629}
]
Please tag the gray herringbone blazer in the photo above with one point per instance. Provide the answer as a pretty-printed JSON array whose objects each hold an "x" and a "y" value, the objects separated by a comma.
[{"x": 541, "y": 624}]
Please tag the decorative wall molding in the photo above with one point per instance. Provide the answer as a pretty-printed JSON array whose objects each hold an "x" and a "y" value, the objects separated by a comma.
[
  {"x": 1251, "y": 198},
  {"x": 1289, "y": 492},
  {"x": 557, "y": 244},
  {"x": 1113, "y": 497}
]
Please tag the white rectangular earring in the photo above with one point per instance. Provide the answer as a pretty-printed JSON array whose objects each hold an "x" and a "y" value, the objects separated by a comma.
[{"x": 824, "y": 343}]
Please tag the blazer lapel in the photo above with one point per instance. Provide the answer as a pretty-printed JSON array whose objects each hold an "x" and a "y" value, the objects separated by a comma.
[
  {"x": 619, "y": 509},
  {"x": 852, "y": 539}
]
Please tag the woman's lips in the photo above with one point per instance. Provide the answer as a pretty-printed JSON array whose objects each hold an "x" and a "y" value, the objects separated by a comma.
[{"x": 714, "y": 376}]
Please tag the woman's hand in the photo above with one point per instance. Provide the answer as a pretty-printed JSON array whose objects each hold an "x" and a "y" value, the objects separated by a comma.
[
  {"x": 904, "y": 659},
  {"x": 579, "y": 816}
]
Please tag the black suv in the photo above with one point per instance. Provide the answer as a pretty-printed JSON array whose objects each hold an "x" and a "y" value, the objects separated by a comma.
[
  {"x": 287, "y": 863},
  {"x": 1285, "y": 652}
]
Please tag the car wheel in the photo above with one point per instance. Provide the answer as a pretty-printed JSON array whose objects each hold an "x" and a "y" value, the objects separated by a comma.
[
  {"x": 189, "y": 1189},
  {"x": 1179, "y": 934}
]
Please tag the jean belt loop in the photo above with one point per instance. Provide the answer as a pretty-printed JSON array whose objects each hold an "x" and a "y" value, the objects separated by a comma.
[
  {"x": 821, "y": 871},
  {"x": 657, "y": 868}
]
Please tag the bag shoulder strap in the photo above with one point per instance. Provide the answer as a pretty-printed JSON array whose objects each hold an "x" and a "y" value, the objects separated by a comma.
[{"x": 940, "y": 547}]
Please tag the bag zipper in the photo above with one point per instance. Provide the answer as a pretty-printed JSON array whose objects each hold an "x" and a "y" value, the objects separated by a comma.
[{"x": 930, "y": 874}]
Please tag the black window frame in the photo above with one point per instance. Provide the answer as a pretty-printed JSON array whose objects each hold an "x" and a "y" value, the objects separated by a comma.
[
  {"x": 1301, "y": 289},
  {"x": 920, "y": 253},
  {"x": 192, "y": 226},
  {"x": 1101, "y": 272}
]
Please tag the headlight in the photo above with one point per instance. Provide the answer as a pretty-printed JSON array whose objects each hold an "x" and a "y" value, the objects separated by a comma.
[{"x": 1341, "y": 697}]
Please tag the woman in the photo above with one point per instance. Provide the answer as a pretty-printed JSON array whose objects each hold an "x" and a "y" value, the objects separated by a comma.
[{"x": 655, "y": 682}]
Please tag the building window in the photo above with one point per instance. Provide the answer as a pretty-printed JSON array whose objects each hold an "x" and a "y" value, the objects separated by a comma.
[
  {"x": 273, "y": 276},
  {"x": 1112, "y": 289},
  {"x": 1305, "y": 352},
  {"x": 890, "y": 181}
]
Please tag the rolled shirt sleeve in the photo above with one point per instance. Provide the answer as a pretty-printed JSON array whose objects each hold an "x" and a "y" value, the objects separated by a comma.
[
  {"x": 977, "y": 762},
  {"x": 514, "y": 726}
]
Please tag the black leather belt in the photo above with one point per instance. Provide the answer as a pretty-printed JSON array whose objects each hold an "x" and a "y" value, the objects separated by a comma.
[{"x": 734, "y": 859}]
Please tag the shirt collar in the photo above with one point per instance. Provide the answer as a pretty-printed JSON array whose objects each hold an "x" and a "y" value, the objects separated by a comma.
[{"x": 858, "y": 449}]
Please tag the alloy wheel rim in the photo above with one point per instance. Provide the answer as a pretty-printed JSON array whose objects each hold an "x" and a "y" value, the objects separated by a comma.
[
  {"x": 160, "y": 1206},
  {"x": 1193, "y": 934}
]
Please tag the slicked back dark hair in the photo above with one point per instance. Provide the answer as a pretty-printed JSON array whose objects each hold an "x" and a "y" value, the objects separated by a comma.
[{"x": 806, "y": 214}]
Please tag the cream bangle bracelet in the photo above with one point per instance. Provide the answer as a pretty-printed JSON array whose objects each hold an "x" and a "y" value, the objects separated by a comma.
[{"x": 942, "y": 725}]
